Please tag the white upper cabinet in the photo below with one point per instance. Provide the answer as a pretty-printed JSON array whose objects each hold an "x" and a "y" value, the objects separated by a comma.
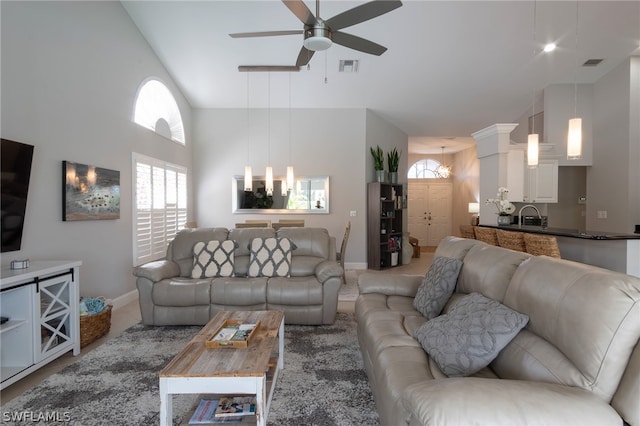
[{"x": 541, "y": 183}]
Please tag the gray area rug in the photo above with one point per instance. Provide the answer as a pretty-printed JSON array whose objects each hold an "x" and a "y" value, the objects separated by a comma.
[{"x": 323, "y": 382}]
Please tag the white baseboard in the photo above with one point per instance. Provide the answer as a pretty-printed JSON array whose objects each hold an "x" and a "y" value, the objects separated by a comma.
[
  {"x": 355, "y": 265},
  {"x": 123, "y": 300}
]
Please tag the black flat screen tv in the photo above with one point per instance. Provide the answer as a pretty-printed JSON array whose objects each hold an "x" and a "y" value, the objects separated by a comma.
[{"x": 15, "y": 168}]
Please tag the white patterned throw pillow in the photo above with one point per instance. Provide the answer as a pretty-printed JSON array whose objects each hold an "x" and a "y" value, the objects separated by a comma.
[
  {"x": 213, "y": 259},
  {"x": 437, "y": 286},
  {"x": 471, "y": 335},
  {"x": 270, "y": 257}
]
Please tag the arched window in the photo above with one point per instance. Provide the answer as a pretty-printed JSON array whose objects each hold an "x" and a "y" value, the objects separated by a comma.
[
  {"x": 157, "y": 110},
  {"x": 424, "y": 169}
]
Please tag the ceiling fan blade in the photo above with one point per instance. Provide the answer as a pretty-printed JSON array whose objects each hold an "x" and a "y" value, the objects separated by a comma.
[
  {"x": 301, "y": 11},
  {"x": 304, "y": 57},
  {"x": 266, "y": 33},
  {"x": 358, "y": 43},
  {"x": 268, "y": 68},
  {"x": 362, "y": 13}
]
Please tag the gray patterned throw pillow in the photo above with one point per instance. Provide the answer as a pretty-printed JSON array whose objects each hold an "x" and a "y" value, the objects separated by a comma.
[
  {"x": 213, "y": 259},
  {"x": 470, "y": 335},
  {"x": 270, "y": 257},
  {"x": 437, "y": 286}
]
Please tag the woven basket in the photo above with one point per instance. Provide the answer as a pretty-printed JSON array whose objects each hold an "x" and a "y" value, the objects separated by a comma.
[{"x": 93, "y": 327}]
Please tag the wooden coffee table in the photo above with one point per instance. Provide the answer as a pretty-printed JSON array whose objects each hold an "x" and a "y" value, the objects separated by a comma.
[{"x": 228, "y": 371}]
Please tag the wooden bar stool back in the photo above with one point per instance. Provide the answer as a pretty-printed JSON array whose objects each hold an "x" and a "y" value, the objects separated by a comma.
[
  {"x": 542, "y": 245},
  {"x": 466, "y": 231},
  {"x": 511, "y": 240},
  {"x": 486, "y": 235}
]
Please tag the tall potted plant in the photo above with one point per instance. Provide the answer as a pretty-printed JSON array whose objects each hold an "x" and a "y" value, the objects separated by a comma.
[
  {"x": 378, "y": 162},
  {"x": 393, "y": 159}
]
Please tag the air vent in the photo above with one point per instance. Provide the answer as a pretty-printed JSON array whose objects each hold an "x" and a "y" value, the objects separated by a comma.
[
  {"x": 592, "y": 62},
  {"x": 348, "y": 65}
]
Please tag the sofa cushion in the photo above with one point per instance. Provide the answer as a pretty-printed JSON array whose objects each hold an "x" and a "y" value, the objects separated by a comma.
[
  {"x": 437, "y": 286},
  {"x": 270, "y": 257},
  {"x": 182, "y": 292},
  {"x": 470, "y": 335},
  {"x": 180, "y": 250},
  {"x": 488, "y": 270},
  {"x": 213, "y": 259}
]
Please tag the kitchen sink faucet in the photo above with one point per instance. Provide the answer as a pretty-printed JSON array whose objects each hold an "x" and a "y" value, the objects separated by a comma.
[{"x": 524, "y": 207}]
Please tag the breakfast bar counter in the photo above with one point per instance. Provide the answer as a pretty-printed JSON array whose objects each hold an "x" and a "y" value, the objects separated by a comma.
[
  {"x": 614, "y": 251},
  {"x": 567, "y": 232}
]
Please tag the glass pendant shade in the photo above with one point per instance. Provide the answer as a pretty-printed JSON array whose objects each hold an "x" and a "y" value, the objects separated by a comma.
[
  {"x": 290, "y": 178},
  {"x": 532, "y": 151},
  {"x": 283, "y": 187},
  {"x": 248, "y": 179},
  {"x": 574, "y": 139},
  {"x": 269, "y": 183}
]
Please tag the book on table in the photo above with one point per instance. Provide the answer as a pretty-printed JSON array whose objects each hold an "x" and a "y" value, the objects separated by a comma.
[
  {"x": 236, "y": 406},
  {"x": 205, "y": 414}
]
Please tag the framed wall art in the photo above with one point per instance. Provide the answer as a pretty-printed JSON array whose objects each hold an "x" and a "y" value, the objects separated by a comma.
[{"x": 89, "y": 192}]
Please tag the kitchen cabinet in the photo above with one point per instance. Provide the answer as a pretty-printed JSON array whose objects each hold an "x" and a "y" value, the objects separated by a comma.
[{"x": 541, "y": 183}]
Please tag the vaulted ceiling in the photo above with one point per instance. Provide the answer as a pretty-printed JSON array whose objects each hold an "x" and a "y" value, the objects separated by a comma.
[{"x": 451, "y": 68}]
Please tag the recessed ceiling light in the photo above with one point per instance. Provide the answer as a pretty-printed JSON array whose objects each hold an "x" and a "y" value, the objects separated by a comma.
[
  {"x": 348, "y": 65},
  {"x": 550, "y": 47}
]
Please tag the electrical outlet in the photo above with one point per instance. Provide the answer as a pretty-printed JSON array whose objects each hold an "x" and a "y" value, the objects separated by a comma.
[
  {"x": 352, "y": 213},
  {"x": 601, "y": 214}
]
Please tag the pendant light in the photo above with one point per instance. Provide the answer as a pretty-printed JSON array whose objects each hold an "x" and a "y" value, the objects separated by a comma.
[
  {"x": 574, "y": 137},
  {"x": 443, "y": 171},
  {"x": 290, "y": 177},
  {"x": 248, "y": 175},
  {"x": 269, "y": 173},
  {"x": 532, "y": 138}
]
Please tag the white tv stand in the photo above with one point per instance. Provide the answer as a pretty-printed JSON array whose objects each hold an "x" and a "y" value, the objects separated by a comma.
[{"x": 41, "y": 303}]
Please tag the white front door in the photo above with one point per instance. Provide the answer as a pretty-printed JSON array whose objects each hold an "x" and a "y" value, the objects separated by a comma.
[
  {"x": 439, "y": 201},
  {"x": 429, "y": 210},
  {"x": 417, "y": 212}
]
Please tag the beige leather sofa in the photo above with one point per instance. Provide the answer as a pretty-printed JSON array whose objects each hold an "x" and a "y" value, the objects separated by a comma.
[
  {"x": 169, "y": 295},
  {"x": 576, "y": 362}
]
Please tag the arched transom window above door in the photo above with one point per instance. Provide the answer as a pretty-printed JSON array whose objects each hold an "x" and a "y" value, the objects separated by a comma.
[
  {"x": 157, "y": 110},
  {"x": 424, "y": 169}
]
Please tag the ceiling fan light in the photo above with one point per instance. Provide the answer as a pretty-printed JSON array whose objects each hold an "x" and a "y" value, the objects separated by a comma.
[{"x": 317, "y": 43}]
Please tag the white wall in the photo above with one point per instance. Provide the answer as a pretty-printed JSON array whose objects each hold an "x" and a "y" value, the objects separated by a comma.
[
  {"x": 324, "y": 142},
  {"x": 70, "y": 73},
  {"x": 612, "y": 182}
]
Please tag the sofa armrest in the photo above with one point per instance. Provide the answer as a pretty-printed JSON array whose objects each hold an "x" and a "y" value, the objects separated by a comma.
[
  {"x": 389, "y": 284},
  {"x": 480, "y": 401},
  {"x": 157, "y": 270},
  {"x": 328, "y": 269}
]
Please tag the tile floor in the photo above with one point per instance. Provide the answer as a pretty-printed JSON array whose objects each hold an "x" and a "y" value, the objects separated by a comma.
[{"x": 129, "y": 315}]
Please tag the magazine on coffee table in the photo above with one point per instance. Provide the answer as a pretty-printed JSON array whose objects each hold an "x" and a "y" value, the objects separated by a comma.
[
  {"x": 232, "y": 334},
  {"x": 236, "y": 406},
  {"x": 204, "y": 414}
]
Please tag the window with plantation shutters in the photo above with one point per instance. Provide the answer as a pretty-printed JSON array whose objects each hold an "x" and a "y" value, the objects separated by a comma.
[{"x": 160, "y": 209}]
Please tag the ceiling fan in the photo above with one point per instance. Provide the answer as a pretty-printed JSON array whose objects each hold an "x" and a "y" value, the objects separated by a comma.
[{"x": 320, "y": 34}]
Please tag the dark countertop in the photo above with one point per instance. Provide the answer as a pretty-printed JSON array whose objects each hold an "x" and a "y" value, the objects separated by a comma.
[{"x": 574, "y": 233}]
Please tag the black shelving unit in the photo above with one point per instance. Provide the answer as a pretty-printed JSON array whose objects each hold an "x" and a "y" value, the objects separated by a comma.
[{"x": 384, "y": 225}]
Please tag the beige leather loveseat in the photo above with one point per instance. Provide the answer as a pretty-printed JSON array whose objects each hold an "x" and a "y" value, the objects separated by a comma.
[
  {"x": 575, "y": 362},
  {"x": 176, "y": 291}
]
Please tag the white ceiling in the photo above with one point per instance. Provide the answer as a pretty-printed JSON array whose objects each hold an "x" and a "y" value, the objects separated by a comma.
[{"x": 452, "y": 68}]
